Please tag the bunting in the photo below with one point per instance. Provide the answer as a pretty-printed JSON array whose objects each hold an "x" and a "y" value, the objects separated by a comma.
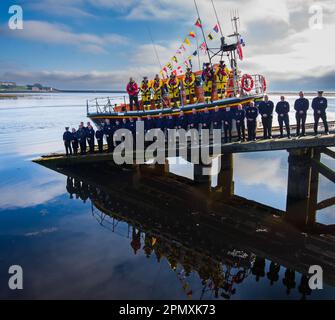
[
  {"x": 210, "y": 37},
  {"x": 174, "y": 58},
  {"x": 198, "y": 23},
  {"x": 195, "y": 53},
  {"x": 216, "y": 28},
  {"x": 192, "y": 35},
  {"x": 203, "y": 48},
  {"x": 187, "y": 41}
]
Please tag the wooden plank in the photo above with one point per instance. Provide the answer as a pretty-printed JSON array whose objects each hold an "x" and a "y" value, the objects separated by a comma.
[
  {"x": 329, "y": 153},
  {"x": 324, "y": 170}
]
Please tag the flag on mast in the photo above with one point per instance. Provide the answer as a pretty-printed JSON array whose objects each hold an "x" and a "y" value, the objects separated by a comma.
[
  {"x": 198, "y": 23},
  {"x": 192, "y": 34},
  {"x": 240, "y": 51}
]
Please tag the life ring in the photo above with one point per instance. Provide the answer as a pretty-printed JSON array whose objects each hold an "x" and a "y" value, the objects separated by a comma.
[
  {"x": 247, "y": 82},
  {"x": 263, "y": 83}
]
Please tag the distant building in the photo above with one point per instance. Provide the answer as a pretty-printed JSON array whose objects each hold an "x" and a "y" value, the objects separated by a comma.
[{"x": 7, "y": 84}]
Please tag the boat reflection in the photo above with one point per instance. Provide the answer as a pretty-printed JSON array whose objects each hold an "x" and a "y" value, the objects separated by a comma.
[{"x": 224, "y": 239}]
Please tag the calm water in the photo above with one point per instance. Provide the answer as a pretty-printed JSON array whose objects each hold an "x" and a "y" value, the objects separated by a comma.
[{"x": 70, "y": 248}]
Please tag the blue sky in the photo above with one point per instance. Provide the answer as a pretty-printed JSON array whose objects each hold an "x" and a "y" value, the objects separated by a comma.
[{"x": 98, "y": 44}]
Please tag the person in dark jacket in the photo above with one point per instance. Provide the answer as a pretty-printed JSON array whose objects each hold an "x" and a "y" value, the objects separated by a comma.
[
  {"x": 81, "y": 134},
  {"x": 170, "y": 123},
  {"x": 239, "y": 117},
  {"x": 181, "y": 121},
  {"x": 91, "y": 138},
  {"x": 251, "y": 113},
  {"x": 266, "y": 108},
  {"x": 75, "y": 143},
  {"x": 149, "y": 124},
  {"x": 217, "y": 119},
  {"x": 124, "y": 124},
  {"x": 283, "y": 110},
  {"x": 108, "y": 132},
  {"x": 206, "y": 118},
  {"x": 320, "y": 105},
  {"x": 301, "y": 107},
  {"x": 131, "y": 126},
  {"x": 67, "y": 138},
  {"x": 161, "y": 122},
  {"x": 227, "y": 116},
  {"x": 194, "y": 120},
  {"x": 100, "y": 139}
]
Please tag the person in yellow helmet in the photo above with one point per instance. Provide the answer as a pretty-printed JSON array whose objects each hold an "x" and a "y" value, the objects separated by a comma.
[
  {"x": 157, "y": 88},
  {"x": 146, "y": 93},
  {"x": 173, "y": 86},
  {"x": 208, "y": 77},
  {"x": 189, "y": 85},
  {"x": 222, "y": 74}
]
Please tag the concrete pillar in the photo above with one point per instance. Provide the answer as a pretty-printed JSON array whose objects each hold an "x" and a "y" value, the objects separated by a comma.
[{"x": 298, "y": 190}]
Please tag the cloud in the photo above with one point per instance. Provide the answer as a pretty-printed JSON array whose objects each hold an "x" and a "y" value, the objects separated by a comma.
[{"x": 59, "y": 34}]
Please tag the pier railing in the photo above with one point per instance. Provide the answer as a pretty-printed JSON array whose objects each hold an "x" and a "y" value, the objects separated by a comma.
[{"x": 106, "y": 105}]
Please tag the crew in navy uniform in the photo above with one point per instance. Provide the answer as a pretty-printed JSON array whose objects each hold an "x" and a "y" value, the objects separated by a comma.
[
  {"x": 81, "y": 134},
  {"x": 182, "y": 121},
  {"x": 206, "y": 119},
  {"x": 67, "y": 138},
  {"x": 170, "y": 123},
  {"x": 301, "y": 107},
  {"x": 319, "y": 106},
  {"x": 266, "y": 109},
  {"x": 227, "y": 116},
  {"x": 91, "y": 138},
  {"x": 217, "y": 119},
  {"x": 124, "y": 124},
  {"x": 194, "y": 120},
  {"x": 283, "y": 110},
  {"x": 131, "y": 126},
  {"x": 149, "y": 124},
  {"x": 161, "y": 122},
  {"x": 239, "y": 117},
  {"x": 75, "y": 143},
  {"x": 99, "y": 134},
  {"x": 251, "y": 113},
  {"x": 108, "y": 131}
]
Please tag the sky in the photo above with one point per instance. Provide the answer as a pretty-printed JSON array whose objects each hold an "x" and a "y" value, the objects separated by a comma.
[{"x": 99, "y": 44}]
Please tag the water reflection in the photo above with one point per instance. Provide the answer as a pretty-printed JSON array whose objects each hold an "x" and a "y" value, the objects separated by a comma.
[{"x": 222, "y": 238}]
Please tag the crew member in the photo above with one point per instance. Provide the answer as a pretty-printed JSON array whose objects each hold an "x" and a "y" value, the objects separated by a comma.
[
  {"x": 173, "y": 86},
  {"x": 157, "y": 88},
  {"x": 319, "y": 106},
  {"x": 194, "y": 120},
  {"x": 91, "y": 138},
  {"x": 251, "y": 113},
  {"x": 239, "y": 117},
  {"x": 131, "y": 126},
  {"x": 149, "y": 124},
  {"x": 227, "y": 116},
  {"x": 81, "y": 134},
  {"x": 108, "y": 131},
  {"x": 283, "y": 110},
  {"x": 207, "y": 77},
  {"x": 266, "y": 108},
  {"x": 75, "y": 143},
  {"x": 217, "y": 119},
  {"x": 221, "y": 74},
  {"x": 67, "y": 138},
  {"x": 181, "y": 121},
  {"x": 146, "y": 93},
  {"x": 99, "y": 134},
  {"x": 301, "y": 107},
  {"x": 161, "y": 122},
  {"x": 189, "y": 85},
  {"x": 132, "y": 89},
  {"x": 206, "y": 119},
  {"x": 170, "y": 123}
]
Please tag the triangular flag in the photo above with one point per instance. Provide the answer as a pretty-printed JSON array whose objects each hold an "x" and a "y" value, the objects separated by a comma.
[
  {"x": 216, "y": 28},
  {"x": 195, "y": 53},
  {"x": 210, "y": 37},
  {"x": 174, "y": 58},
  {"x": 187, "y": 41},
  {"x": 203, "y": 48},
  {"x": 198, "y": 23},
  {"x": 192, "y": 34},
  {"x": 182, "y": 47}
]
